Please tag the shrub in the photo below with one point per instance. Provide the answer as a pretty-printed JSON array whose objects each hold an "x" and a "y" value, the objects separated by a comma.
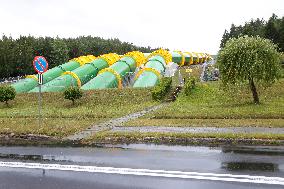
[
  {"x": 73, "y": 93},
  {"x": 7, "y": 93},
  {"x": 159, "y": 91},
  {"x": 189, "y": 85}
]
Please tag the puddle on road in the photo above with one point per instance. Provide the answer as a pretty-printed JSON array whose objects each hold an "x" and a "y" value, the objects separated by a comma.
[
  {"x": 249, "y": 166},
  {"x": 33, "y": 157}
]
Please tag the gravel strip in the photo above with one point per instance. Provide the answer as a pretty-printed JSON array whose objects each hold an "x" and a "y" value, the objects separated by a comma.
[{"x": 249, "y": 130}]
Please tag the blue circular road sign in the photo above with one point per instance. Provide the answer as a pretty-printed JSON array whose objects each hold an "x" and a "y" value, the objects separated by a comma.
[{"x": 40, "y": 64}]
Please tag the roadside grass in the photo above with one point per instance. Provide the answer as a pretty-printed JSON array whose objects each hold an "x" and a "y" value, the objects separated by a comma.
[
  {"x": 57, "y": 127},
  {"x": 207, "y": 122},
  {"x": 61, "y": 119},
  {"x": 210, "y": 106},
  {"x": 157, "y": 137}
]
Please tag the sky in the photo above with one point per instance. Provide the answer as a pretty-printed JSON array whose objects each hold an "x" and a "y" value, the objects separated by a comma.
[{"x": 186, "y": 25}]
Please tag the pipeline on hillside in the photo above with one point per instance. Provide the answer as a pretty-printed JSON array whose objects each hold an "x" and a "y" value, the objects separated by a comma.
[
  {"x": 79, "y": 76},
  {"x": 31, "y": 81},
  {"x": 109, "y": 70}
]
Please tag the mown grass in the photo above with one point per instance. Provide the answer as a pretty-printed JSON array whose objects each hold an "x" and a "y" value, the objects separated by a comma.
[
  {"x": 208, "y": 105},
  {"x": 156, "y": 137},
  {"x": 60, "y": 118},
  {"x": 207, "y": 122},
  {"x": 57, "y": 127}
]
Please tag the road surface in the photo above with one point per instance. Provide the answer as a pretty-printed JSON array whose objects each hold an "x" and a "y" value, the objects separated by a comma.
[{"x": 142, "y": 166}]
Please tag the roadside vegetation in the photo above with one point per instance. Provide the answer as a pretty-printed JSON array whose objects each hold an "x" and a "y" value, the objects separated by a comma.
[
  {"x": 160, "y": 91},
  {"x": 208, "y": 105},
  {"x": 60, "y": 118},
  {"x": 184, "y": 138},
  {"x": 7, "y": 93},
  {"x": 251, "y": 61},
  {"x": 249, "y": 68},
  {"x": 73, "y": 94}
]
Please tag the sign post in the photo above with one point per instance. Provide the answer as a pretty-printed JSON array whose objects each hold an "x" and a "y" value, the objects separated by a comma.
[{"x": 40, "y": 65}]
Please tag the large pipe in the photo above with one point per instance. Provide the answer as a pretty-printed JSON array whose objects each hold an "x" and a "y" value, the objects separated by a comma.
[
  {"x": 112, "y": 77},
  {"x": 31, "y": 81},
  {"x": 154, "y": 68},
  {"x": 81, "y": 75},
  {"x": 74, "y": 75}
]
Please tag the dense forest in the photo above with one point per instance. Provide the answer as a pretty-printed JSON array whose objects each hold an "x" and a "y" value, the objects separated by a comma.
[
  {"x": 272, "y": 29},
  {"x": 16, "y": 55}
]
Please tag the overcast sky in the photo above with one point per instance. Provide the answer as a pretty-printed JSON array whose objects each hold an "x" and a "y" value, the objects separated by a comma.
[{"x": 187, "y": 25}]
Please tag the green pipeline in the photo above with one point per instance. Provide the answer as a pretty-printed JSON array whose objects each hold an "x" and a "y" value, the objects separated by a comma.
[
  {"x": 154, "y": 69},
  {"x": 112, "y": 76},
  {"x": 31, "y": 82},
  {"x": 150, "y": 74},
  {"x": 75, "y": 78}
]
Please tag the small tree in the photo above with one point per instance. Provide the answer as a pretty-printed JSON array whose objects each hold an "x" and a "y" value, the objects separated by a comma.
[
  {"x": 7, "y": 93},
  {"x": 73, "y": 93},
  {"x": 251, "y": 60}
]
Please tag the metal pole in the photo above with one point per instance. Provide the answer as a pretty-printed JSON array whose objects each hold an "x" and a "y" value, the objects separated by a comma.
[{"x": 39, "y": 98}]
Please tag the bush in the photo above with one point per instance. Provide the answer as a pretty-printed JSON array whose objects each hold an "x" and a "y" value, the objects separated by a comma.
[
  {"x": 7, "y": 93},
  {"x": 73, "y": 93},
  {"x": 159, "y": 91},
  {"x": 189, "y": 85}
]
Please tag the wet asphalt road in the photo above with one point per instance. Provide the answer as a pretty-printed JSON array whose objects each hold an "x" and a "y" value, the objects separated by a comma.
[{"x": 253, "y": 161}]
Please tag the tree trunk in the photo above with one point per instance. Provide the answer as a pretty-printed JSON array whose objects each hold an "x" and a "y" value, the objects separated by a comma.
[{"x": 254, "y": 92}]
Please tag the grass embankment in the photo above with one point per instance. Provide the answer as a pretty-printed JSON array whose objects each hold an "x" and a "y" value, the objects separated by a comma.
[
  {"x": 61, "y": 119},
  {"x": 210, "y": 106}
]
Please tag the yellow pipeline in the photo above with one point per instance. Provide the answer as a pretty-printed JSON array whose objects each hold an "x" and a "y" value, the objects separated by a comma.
[
  {"x": 161, "y": 52},
  {"x": 110, "y": 58},
  {"x": 82, "y": 60},
  {"x": 138, "y": 56}
]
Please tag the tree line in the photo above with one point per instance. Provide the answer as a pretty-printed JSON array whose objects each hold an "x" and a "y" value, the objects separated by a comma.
[
  {"x": 272, "y": 29},
  {"x": 16, "y": 55}
]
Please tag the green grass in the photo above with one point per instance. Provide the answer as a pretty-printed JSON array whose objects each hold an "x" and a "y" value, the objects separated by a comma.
[
  {"x": 60, "y": 118},
  {"x": 207, "y": 122},
  {"x": 134, "y": 137},
  {"x": 210, "y": 106},
  {"x": 58, "y": 127}
]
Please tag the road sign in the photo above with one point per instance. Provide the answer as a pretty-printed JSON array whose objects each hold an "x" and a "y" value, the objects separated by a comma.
[
  {"x": 40, "y": 64},
  {"x": 40, "y": 79},
  {"x": 188, "y": 70}
]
